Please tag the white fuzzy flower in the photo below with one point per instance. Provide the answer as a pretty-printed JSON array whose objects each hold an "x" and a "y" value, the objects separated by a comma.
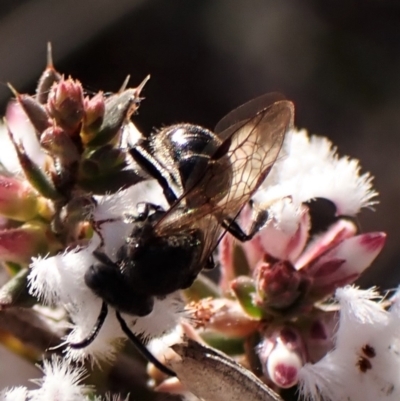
[
  {"x": 14, "y": 394},
  {"x": 365, "y": 363},
  {"x": 60, "y": 382},
  {"x": 310, "y": 168}
]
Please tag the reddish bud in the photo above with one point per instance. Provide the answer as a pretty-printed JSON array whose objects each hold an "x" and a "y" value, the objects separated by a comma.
[
  {"x": 279, "y": 285},
  {"x": 58, "y": 143},
  {"x": 19, "y": 245},
  {"x": 65, "y": 104},
  {"x": 282, "y": 354},
  {"x": 18, "y": 200},
  {"x": 94, "y": 113}
]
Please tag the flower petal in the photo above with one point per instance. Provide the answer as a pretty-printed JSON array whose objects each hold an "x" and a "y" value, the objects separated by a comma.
[
  {"x": 344, "y": 263},
  {"x": 336, "y": 233}
]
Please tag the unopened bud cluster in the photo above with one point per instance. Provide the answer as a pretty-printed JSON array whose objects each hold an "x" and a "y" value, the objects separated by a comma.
[{"x": 74, "y": 146}]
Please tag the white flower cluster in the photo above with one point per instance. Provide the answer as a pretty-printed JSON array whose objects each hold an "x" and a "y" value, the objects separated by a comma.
[
  {"x": 60, "y": 383},
  {"x": 307, "y": 168},
  {"x": 365, "y": 363}
]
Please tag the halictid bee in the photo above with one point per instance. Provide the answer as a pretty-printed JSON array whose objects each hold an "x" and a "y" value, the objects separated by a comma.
[{"x": 207, "y": 178}]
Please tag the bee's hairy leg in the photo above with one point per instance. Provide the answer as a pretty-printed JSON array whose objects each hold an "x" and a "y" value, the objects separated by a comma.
[
  {"x": 95, "y": 331},
  {"x": 142, "y": 348}
]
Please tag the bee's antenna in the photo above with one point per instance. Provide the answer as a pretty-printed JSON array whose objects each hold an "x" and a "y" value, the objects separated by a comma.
[
  {"x": 142, "y": 349},
  {"x": 95, "y": 331}
]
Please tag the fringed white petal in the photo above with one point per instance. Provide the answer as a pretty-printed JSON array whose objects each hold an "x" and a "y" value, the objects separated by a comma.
[
  {"x": 311, "y": 168},
  {"x": 61, "y": 382},
  {"x": 14, "y": 394}
]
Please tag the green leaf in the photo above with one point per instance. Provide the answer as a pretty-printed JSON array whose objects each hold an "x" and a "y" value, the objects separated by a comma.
[
  {"x": 34, "y": 174},
  {"x": 229, "y": 345},
  {"x": 15, "y": 292},
  {"x": 244, "y": 289}
]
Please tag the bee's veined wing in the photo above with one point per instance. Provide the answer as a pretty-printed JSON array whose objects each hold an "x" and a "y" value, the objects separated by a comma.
[
  {"x": 252, "y": 137},
  {"x": 254, "y": 145},
  {"x": 247, "y": 110}
]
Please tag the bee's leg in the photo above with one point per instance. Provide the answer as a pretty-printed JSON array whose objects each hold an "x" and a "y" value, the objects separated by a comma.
[
  {"x": 142, "y": 349},
  {"x": 260, "y": 218},
  {"x": 95, "y": 331},
  {"x": 143, "y": 211},
  {"x": 152, "y": 167}
]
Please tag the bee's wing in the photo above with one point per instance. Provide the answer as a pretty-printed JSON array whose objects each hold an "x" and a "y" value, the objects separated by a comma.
[
  {"x": 254, "y": 145},
  {"x": 247, "y": 110},
  {"x": 251, "y": 139}
]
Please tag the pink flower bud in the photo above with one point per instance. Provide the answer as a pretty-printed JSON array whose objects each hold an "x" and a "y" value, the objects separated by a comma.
[
  {"x": 279, "y": 285},
  {"x": 59, "y": 144},
  {"x": 65, "y": 104},
  {"x": 282, "y": 354},
  {"x": 18, "y": 200},
  {"x": 18, "y": 245},
  {"x": 94, "y": 112},
  {"x": 319, "y": 336}
]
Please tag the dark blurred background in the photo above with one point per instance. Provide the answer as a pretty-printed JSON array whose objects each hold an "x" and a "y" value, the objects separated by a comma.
[{"x": 338, "y": 60}]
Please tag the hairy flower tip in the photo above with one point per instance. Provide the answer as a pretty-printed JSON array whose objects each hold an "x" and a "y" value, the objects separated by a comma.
[
  {"x": 120, "y": 203},
  {"x": 161, "y": 345},
  {"x": 164, "y": 317},
  {"x": 321, "y": 381},
  {"x": 363, "y": 366},
  {"x": 14, "y": 394},
  {"x": 60, "y": 278},
  {"x": 312, "y": 169},
  {"x": 61, "y": 382},
  {"x": 166, "y": 314},
  {"x": 361, "y": 306}
]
